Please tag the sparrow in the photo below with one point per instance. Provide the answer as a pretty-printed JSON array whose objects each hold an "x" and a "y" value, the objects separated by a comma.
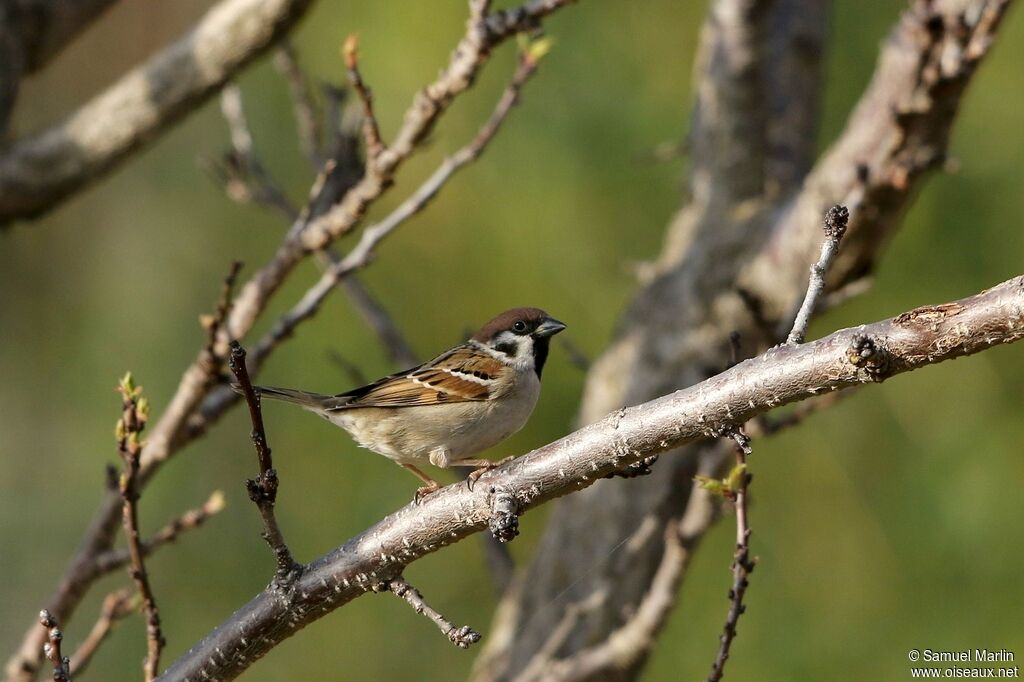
[{"x": 449, "y": 409}]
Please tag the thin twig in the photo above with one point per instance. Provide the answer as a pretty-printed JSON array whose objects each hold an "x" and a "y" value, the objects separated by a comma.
[
  {"x": 307, "y": 120},
  {"x": 214, "y": 322},
  {"x": 116, "y": 606},
  {"x": 263, "y": 488},
  {"x": 742, "y": 564},
  {"x": 193, "y": 518},
  {"x": 242, "y": 174},
  {"x": 371, "y": 131},
  {"x": 362, "y": 253},
  {"x": 835, "y": 227},
  {"x": 462, "y": 637},
  {"x": 135, "y": 412},
  {"x": 51, "y": 649}
]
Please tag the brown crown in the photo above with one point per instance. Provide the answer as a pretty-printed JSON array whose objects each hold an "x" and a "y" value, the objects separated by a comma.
[{"x": 504, "y": 322}]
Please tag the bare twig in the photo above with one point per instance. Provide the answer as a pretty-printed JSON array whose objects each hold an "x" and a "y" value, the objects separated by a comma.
[
  {"x": 782, "y": 375},
  {"x": 263, "y": 488},
  {"x": 462, "y": 637},
  {"x": 214, "y": 323},
  {"x": 137, "y": 108},
  {"x": 61, "y": 664},
  {"x": 371, "y": 131},
  {"x": 193, "y": 518},
  {"x": 307, "y": 118},
  {"x": 135, "y": 413},
  {"x": 373, "y": 235},
  {"x": 116, "y": 606},
  {"x": 246, "y": 181},
  {"x": 742, "y": 563},
  {"x": 835, "y": 227},
  {"x": 240, "y": 172}
]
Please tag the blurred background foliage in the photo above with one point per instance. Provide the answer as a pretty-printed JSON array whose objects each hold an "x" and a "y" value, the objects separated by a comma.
[{"x": 887, "y": 523}]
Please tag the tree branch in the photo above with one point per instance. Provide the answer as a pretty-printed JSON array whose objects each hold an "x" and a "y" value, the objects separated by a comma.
[
  {"x": 742, "y": 563},
  {"x": 116, "y": 605},
  {"x": 867, "y": 354},
  {"x": 135, "y": 412},
  {"x": 462, "y": 637},
  {"x": 61, "y": 663},
  {"x": 835, "y": 227},
  {"x": 263, "y": 488},
  {"x": 199, "y": 401},
  {"x": 113, "y": 559},
  {"x": 37, "y": 172},
  {"x": 362, "y": 253},
  {"x": 31, "y": 34}
]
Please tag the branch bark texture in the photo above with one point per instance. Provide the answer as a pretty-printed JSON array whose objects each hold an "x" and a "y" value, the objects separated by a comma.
[
  {"x": 41, "y": 170},
  {"x": 784, "y": 374}
]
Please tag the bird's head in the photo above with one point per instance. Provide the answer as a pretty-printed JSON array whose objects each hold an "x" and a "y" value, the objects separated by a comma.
[{"x": 520, "y": 336}]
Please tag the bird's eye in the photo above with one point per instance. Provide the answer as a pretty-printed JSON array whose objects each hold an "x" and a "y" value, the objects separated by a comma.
[{"x": 519, "y": 327}]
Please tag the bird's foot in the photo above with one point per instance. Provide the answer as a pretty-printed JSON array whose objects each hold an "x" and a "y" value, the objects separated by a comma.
[
  {"x": 422, "y": 492},
  {"x": 483, "y": 466}
]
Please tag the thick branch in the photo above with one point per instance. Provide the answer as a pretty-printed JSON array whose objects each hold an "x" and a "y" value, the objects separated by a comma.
[
  {"x": 39, "y": 171},
  {"x": 33, "y": 33},
  {"x": 784, "y": 374}
]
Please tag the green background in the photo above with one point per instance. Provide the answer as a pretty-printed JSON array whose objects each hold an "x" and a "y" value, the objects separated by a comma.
[{"x": 888, "y": 523}]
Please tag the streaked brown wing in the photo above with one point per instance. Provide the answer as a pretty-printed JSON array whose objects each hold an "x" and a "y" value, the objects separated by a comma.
[{"x": 462, "y": 374}]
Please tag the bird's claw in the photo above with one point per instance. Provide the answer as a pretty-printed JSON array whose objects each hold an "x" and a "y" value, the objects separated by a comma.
[{"x": 422, "y": 492}]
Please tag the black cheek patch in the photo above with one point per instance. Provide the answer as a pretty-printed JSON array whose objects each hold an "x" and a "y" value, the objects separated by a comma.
[{"x": 509, "y": 348}]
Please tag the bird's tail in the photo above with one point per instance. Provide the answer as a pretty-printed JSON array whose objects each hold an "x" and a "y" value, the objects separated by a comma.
[{"x": 310, "y": 401}]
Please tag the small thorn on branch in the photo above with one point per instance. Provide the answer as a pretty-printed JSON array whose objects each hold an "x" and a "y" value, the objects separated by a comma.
[
  {"x": 263, "y": 489},
  {"x": 61, "y": 664},
  {"x": 504, "y": 520},
  {"x": 461, "y": 636},
  {"x": 836, "y": 220}
]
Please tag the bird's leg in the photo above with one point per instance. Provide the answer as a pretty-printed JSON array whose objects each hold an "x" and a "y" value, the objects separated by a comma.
[
  {"x": 430, "y": 487},
  {"x": 483, "y": 466}
]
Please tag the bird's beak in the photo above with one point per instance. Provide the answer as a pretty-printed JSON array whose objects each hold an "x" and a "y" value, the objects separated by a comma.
[{"x": 548, "y": 327}]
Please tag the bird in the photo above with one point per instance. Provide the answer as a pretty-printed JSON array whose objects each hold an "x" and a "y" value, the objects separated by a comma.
[{"x": 464, "y": 401}]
